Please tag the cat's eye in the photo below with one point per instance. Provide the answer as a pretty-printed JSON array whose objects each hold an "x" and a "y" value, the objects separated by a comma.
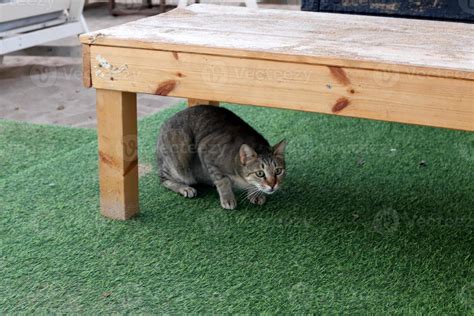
[
  {"x": 260, "y": 174},
  {"x": 278, "y": 171}
]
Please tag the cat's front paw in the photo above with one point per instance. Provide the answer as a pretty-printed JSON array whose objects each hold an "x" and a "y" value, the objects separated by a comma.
[
  {"x": 259, "y": 199},
  {"x": 188, "y": 192},
  {"x": 229, "y": 203}
]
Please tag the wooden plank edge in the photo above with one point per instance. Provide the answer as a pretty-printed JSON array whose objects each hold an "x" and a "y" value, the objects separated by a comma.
[
  {"x": 86, "y": 66},
  {"x": 336, "y": 111},
  {"x": 99, "y": 40}
]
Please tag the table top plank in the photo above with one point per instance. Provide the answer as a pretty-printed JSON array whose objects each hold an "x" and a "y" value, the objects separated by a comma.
[{"x": 433, "y": 48}]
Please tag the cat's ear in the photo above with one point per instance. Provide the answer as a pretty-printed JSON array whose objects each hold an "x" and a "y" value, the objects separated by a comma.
[
  {"x": 246, "y": 153},
  {"x": 279, "y": 148}
]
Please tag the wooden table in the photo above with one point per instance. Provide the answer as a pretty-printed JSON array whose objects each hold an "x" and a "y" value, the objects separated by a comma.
[{"x": 409, "y": 71}]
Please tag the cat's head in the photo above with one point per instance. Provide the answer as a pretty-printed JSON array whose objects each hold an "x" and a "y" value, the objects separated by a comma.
[{"x": 264, "y": 171}]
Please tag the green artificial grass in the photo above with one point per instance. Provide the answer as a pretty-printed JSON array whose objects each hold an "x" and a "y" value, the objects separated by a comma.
[{"x": 373, "y": 218}]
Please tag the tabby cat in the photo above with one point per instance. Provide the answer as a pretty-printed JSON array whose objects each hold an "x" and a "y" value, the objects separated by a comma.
[{"x": 211, "y": 145}]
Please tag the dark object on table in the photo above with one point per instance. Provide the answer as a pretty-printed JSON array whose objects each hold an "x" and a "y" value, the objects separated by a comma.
[{"x": 449, "y": 10}]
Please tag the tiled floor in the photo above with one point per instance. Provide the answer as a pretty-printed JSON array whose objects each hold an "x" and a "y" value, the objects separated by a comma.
[{"x": 48, "y": 90}]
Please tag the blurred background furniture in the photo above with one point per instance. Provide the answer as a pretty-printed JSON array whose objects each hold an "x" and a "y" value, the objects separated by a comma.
[
  {"x": 449, "y": 10},
  {"x": 133, "y": 7},
  {"x": 23, "y": 25},
  {"x": 146, "y": 7},
  {"x": 248, "y": 3}
]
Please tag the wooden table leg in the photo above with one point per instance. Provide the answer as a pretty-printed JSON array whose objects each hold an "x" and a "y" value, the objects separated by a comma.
[
  {"x": 193, "y": 102},
  {"x": 118, "y": 159}
]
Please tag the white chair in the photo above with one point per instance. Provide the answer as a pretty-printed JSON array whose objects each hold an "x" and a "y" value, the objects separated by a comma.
[{"x": 25, "y": 24}]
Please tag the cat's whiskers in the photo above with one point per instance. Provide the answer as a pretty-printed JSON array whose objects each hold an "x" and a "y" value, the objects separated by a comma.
[
  {"x": 251, "y": 193},
  {"x": 254, "y": 193},
  {"x": 243, "y": 194}
]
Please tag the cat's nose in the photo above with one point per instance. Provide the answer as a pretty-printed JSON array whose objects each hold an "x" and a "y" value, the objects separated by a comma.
[
  {"x": 270, "y": 189},
  {"x": 271, "y": 182}
]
